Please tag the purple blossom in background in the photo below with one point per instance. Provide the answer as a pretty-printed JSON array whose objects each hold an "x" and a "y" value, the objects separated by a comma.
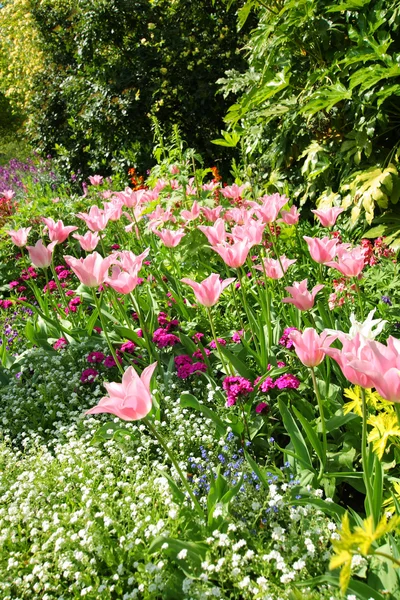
[{"x": 89, "y": 375}]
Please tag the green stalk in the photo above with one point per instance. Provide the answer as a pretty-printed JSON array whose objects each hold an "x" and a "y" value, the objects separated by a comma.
[
  {"x": 322, "y": 416},
  {"x": 172, "y": 458},
  {"x": 227, "y": 371},
  {"x": 104, "y": 327},
  {"x": 359, "y": 299},
  {"x": 246, "y": 308},
  {"x": 364, "y": 456}
]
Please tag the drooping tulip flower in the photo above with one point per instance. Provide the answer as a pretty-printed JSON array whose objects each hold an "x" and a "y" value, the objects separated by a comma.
[
  {"x": 311, "y": 347},
  {"x": 92, "y": 270},
  {"x": 209, "y": 290},
  {"x": 321, "y": 250},
  {"x": 170, "y": 238},
  {"x": 129, "y": 400},
  {"x": 88, "y": 241},
  {"x": 301, "y": 297},
  {"x": 20, "y": 236},
  {"x": 58, "y": 232},
  {"x": 327, "y": 216},
  {"x": 40, "y": 255},
  {"x": 234, "y": 255}
]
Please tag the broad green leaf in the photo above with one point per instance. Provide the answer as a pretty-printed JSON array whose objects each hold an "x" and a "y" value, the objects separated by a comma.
[
  {"x": 295, "y": 435},
  {"x": 325, "y": 98},
  {"x": 311, "y": 435}
]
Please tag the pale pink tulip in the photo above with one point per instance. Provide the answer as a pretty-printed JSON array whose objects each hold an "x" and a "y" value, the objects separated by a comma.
[
  {"x": 354, "y": 354},
  {"x": 321, "y": 250},
  {"x": 96, "y": 179},
  {"x": 350, "y": 262},
  {"x": 211, "y": 214},
  {"x": 88, "y": 241},
  {"x": 170, "y": 238},
  {"x": 233, "y": 191},
  {"x": 193, "y": 213},
  {"x": 41, "y": 255},
  {"x": 130, "y": 262},
  {"x": 234, "y": 255},
  {"x": 290, "y": 217},
  {"x": 210, "y": 187},
  {"x": 121, "y": 281},
  {"x": 301, "y": 297},
  {"x": 216, "y": 233},
  {"x": 20, "y": 236},
  {"x": 113, "y": 209},
  {"x": 273, "y": 268},
  {"x": 92, "y": 270},
  {"x": 209, "y": 290},
  {"x": 57, "y": 231},
  {"x": 129, "y": 400},
  {"x": 311, "y": 347},
  {"x": 96, "y": 219},
  {"x": 327, "y": 216},
  {"x": 252, "y": 232},
  {"x": 268, "y": 211},
  {"x": 7, "y": 194},
  {"x": 238, "y": 215}
]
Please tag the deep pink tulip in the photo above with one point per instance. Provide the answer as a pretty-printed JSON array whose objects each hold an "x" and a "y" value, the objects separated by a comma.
[
  {"x": 41, "y": 255},
  {"x": 211, "y": 214},
  {"x": 327, "y": 216},
  {"x": 20, "y": 236},
  {"x": 234, "y": 255},
  {"x": 193, "y": 213},
  {"x": 301, "y": 297},
  {"x": 321, "y": 250},
  {"x": 92, "y": 270},
  {"x": 121, "y": 281},
  {"x": 350, "y": 262},
  {"x": 88, "y": 241},
  {"x": 58, "y": 232},
  {"x": 273, "y": 267},
  {"x": 170, "y": 238},
  {"x": 290, "y": 217},
  {"x": 216, "y": 233},
  {"x": 209, "y": 290},
  {"x": 311, "y": 347},
  {"x": 129, "y": 400},
  {"x": 96, "y": 219}
]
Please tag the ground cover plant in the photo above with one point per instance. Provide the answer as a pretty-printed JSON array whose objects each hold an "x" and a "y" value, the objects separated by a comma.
[{"x": 199, "y": 395}]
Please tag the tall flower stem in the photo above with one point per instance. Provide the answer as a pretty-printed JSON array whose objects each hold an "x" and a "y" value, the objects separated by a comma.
[
  {"x": 364, "y": 456},
  {"x": 246, "y": 307},
  {"x": 104, "y": 327},
  {"x": 224, "y": 365},
  {"x": 146, "y": 338},
  {"x": 359, "y": 299},
  {"x": 172, "y": 458},
  {"x": 322, "y": 417}
]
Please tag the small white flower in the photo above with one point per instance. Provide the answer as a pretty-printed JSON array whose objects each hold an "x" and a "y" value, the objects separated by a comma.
[{"x": 182, "y": 554}]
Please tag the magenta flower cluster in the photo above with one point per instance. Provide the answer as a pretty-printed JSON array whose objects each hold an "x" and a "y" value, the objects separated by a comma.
[
  {"x": 285, "y": 340},
  {"x": 186, "y": 367},
  {"x": 162, "y": 337},
  {"x": 235, "y": 388}
]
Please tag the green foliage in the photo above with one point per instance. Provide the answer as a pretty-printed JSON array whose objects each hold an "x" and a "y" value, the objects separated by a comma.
[
  {"x": 318, "y": 105},
  {"x": 111, "y": 66}
]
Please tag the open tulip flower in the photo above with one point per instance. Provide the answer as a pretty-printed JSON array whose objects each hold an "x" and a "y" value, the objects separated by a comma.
[
  {"x": 19, "y": 237},
  {"x": 350, "y": 262},
  {"x": 58, "y": 232},
  {"x": 88, "y": 241},
  {"x": 40, "y": 255},
  {"x": 92, "y": 270},
  {"x": 311, "y": 347},
  {"x": 290, "y": 217},
  {"x": 276, "y": 269},
  {"x": 96, "y": 219},
  {"x": 301, "y": 297},
  {"x": 234, "y": 255},
  {"x": 170, "y": 238},
  {"x": 209, "y": 290},
  {"x": 327, "y": 216},
  {"x": 129, "y": 400},
  {"x": 193, "y": 213},
  {"x": 121, "y": 281},
  {"x": 216, "y": 234},
  {"x": 321, "y": 250}
]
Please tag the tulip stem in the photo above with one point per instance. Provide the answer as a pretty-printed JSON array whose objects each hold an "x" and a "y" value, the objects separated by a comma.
[
  {"x": 397, "y": 409},
  {"x": 103, "y": 325},
  {"x": 364, "y": 456},
  {"x": 359, "y": 299},
  {"x": 322, "y": 416},
  {"x": 224, "y": 365},
  {"x": 162, "y": 442}
]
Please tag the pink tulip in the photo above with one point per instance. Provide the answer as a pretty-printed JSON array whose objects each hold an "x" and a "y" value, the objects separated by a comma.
[
  {"x": 130, "y": 262},
  {"x": 350, "y": 262},
  {"x": 121, "y": 281},
  {"x": 233, "y": 191},
  {"x": 273, "y": 267},
  {"x": 7, "y": 194},
  {"x": 96, "y": 219},
  {"x": 57, "y": 231},
  {"x": 96, "y": 179},
  {"x": 321, "y": 250},
  {"x": 252, "y": 232},
  {"x": 327, "y": 216},
  {"x": 92, "y": 270},
  {"x": 235, "y": 255},
  {"x": 211, "y": 214},
  {"x": 290, "y": 217},
  {"x": 270, "y": 207},
  {"x": 301, "y": 297},
  {"x": 19, "y": 237},
  {"x": 88, "y": 241},
  {"x": 40, "y": 255},
  {"x": 129, "y": 400},
  {"x": 170, "y": 238},
  {"x": 209, "y": 290},
  {"x": 210, "y": 187},
  {"x": 216, "y": 233},
  {"x": 311, "y": 347},
  {"x": 238, "y": 215},
  {"x": 113, "y": 209},
  {"x": 193, "y": 213},
  {"x": 159, "y": 215}
]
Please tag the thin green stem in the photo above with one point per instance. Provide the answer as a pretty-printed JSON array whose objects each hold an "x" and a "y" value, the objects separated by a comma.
[
  {"x": 172, "y": 458},
  {"x": 104, "y": 327},
  {"x": 359, "y": 300},
  {"x": 224, "y": 365},
  {"x": 364, "y": 455},
  {"x": 321, "y": 414}
]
